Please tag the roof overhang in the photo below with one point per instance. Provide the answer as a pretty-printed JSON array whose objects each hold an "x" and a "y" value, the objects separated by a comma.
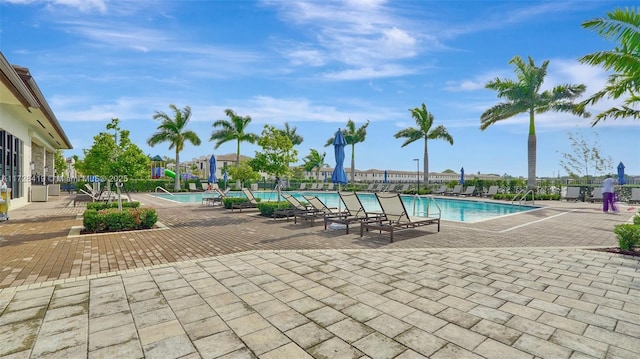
[{"x": 18, "y": 88}]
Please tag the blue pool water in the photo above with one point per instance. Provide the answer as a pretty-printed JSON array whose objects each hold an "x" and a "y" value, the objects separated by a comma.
[{"x": 452, "y": 209}]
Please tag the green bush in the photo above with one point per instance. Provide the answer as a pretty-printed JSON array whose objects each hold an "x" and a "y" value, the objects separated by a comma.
[
  {"x": 636, "y": 219},
  {"x": 227, "y": 202},
  {"x": 111, "y": 219},
  {"x": 267, "y": 208},
  {"x": 628, "y": 235},
  {"x": 104, "y": 205}
]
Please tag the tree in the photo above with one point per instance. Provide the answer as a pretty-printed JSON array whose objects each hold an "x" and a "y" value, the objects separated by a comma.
[
  {"x": 622, "y": 25},
  {"x": 113, "y": 155},
  {"x": 232, "y": 130},
  {"x": 174, "y": 130},
  {"x": 352, "y": 136},
  {"x": 243, "y": 172},
  {"x": 59, "y": 163},
  {"x": 295, "y": 138},
  {"x": 585, "y": 157},
  {"x": 276, "y": 154},
  {"x": 424, "y": 121},
  {"x": 314, "y": 160},
  {"x": 523, "y": 96}
]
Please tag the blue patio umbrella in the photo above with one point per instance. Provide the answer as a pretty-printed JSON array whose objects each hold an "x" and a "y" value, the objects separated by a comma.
[
  {"x": 385, "y": 176},
  {"x": 339, "y": 176},
  {"x": 462, "y": 176},
  {"x": 620, "y": 173},
  {"x": 212, "y": 169},
  {"x": 325, "y": 176}
]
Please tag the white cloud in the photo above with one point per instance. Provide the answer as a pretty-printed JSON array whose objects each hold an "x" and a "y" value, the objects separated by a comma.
[
  {"x": 82, "y": 5},
  {"x": 369, "y": 72}
]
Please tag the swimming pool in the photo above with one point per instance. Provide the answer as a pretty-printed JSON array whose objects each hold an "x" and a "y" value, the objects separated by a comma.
[{"x": 452, "y": 209}]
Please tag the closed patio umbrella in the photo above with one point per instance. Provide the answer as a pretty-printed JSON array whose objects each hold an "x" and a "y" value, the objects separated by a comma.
[
  {"x": 339, "y": 176},
  {"x": 462, "y": 176},
  {"x": 212, "y": 170},
  {"x": 385, "y": 176},
  {"x": 620, "y": 173}
]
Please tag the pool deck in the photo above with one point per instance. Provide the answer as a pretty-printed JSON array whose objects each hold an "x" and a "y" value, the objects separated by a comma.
[{"x": 213, "y": 283}]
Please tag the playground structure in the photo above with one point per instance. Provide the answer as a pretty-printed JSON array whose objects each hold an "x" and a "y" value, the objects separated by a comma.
[{"x": 159, "y": 170}]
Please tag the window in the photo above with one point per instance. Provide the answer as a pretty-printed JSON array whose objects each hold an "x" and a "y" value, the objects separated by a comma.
[{"x": 11, "y": 155}]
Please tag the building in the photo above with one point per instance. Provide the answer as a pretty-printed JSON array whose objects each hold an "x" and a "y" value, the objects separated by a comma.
[{"x": 29, "y": 132}]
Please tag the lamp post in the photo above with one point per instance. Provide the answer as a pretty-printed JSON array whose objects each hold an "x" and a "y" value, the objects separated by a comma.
[{"x": 418, "y": 174}]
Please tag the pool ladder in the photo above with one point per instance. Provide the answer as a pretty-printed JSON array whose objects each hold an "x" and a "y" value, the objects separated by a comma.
[
  {"x": 163, "y": 190},
  {"x": 519, "y": 198},
  {"x": 430, "y": 199}
]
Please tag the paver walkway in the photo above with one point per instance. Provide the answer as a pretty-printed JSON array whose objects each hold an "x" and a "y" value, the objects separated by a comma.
[{"x": 217, "y": 284}]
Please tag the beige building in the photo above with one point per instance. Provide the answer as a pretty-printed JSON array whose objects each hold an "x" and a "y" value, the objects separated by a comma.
[{"x": 29, "y": 133}]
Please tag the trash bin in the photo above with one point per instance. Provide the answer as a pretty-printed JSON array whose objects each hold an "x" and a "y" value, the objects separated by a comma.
[{"x": 5, "y": 199}]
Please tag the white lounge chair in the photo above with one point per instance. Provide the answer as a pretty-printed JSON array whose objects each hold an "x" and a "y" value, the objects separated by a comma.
[
  {"x": 635, "y": 195},
  {"x": 597, "y": 195},
  {"x": 395, "y": 216},
  {"x": 355, "y": 212},
  {"x": 469, "y": 191},
  {"x": 492, "y": 191},
  {"x": 573, "y": 193}
]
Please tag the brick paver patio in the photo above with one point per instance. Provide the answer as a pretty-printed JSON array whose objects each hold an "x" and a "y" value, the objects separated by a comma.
[{"x": 217, "y": 284}]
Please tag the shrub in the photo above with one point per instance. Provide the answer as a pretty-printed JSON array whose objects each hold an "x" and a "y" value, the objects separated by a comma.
[
  {"x": 267, "y": 208},
  {"x": 111, "y": 219},
  {"x": 227, "y": 202},
  {"x": 104, "y": 205},
  {"x": 636, "y": 219},
  {"x": 628, "y": 235}
]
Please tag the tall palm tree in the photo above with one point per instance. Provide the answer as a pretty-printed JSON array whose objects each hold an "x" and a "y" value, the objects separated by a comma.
[
  {"x": 173, "y": 130},
  {"x": 290, "y": 132},
  {"x": 353, "y": 136},
  {"x": 624, "y": 60},
  {"x": 233, "y": 129},
  {"x": 424, "y": 121},
  {"x": 315, "y": 160},
  {"x": 524, "y": 96}
]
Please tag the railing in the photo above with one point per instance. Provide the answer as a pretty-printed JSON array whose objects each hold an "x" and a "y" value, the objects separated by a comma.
[
  {"x": 430, "y": 199},
  {"x": 163, "y": 190},
  {"x": 524, "y": 196}
]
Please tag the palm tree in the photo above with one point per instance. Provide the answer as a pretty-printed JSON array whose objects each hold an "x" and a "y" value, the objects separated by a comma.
[
  {"x": 623, "y": 26},
  {"x": 352, "y": 136},
  {"x": 523, "y": 96},
  {"x": 424, "y": 121},
  {"x": 173, "y": 130},
  {"x": 295, "y": 138},
  {"x": 233, "y": 130},
  {"x": 315, "y": 160}
]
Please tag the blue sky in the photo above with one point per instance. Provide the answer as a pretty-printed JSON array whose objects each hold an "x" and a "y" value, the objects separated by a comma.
[{"x": 316, "y": 64}]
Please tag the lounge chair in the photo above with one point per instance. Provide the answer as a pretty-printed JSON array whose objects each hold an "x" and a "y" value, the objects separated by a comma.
[
  {"x": 635, "y": 195},
  {"x": 573, "y": 193},
  {"x": 303, "y": 186},
  {"x": 329, "y": 187},
  {"x": 370, "y": 187},
  {"x": 354, "y": 212},
  {"x": 492, "y": 191},
  {"x": 318, "y": 210},
  {"x": 597, "y": 195},
  {"x": 193, "y": 187},
  {"x": 395, "y": 216},
  {"x": 214, "y": 196},
  {"x": 457, "y": 189},
  {"x": 442, "y": 190},
  {"x": 83, "y": 196},
  {"x": 252, "y": 203},
  {"x": 404, "y": 188},
  {"x": 296, "y": 207},
  {"x": 469, "y": 191},
  {"x": 378, "y": 187}
]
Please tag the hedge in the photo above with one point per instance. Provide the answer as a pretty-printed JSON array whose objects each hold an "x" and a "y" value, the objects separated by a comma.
[
  {"x": 111, "y": 219},
  {"x": 104, "y": 205}
]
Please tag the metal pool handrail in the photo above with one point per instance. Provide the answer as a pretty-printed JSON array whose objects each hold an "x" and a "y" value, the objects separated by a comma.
[
  {"x": 416, "y": 197},
  {"x": 163, "y": 190}
]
